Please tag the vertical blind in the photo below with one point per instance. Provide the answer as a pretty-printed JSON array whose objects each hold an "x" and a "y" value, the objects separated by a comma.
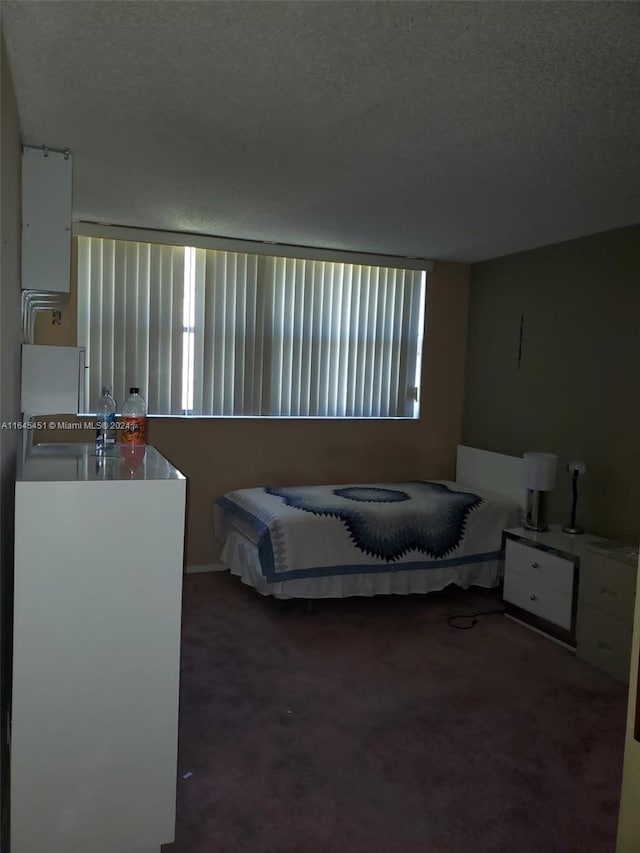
[
  {"x": 130, "y": 306},
  {"x": 212, "y": 332}
]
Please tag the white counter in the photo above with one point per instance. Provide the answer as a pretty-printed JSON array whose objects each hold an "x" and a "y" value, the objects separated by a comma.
[{"x": 72, "y": 462}]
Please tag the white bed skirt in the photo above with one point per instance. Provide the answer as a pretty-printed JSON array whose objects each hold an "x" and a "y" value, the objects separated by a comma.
[{"x": 241, "y": 557}]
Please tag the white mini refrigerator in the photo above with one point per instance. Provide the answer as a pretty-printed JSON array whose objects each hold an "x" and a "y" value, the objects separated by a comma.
[{"x": 98, "y": 581}]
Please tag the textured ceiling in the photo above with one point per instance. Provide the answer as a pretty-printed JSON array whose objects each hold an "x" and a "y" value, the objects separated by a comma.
[{"x": 451, "y": 130}]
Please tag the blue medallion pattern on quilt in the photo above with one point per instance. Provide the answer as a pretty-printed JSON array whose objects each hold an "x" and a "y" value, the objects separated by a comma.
[
  {"x": 371, "y": 494},
  {"x": 390, "y": 523}
]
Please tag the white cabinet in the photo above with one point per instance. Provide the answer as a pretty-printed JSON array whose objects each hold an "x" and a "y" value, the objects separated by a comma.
[
  {"x": 577, "y": 588},
  {"x": 541, "y": 579},
  {"x": 605, "y": 607},
  {"x": 98, "y": 580},
  {"x": 52, "y": 380},
  {"x": 46, "y": 220}
]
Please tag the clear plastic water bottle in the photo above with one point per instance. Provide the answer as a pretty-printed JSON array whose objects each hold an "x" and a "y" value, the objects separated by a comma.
[
  {"x": 134, "y": 420},
  {"x": 106, "y": 421}
]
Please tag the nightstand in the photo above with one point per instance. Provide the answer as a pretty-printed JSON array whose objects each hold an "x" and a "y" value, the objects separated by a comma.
[
  {"x": 606, "y": 601},
  {"x": 541, "y": 579}
]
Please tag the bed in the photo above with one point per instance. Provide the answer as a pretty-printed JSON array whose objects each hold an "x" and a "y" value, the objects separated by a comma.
[{"x": 367, "y": 539}]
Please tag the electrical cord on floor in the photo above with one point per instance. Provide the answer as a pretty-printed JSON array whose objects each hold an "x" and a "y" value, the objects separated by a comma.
[{"x": 472, "y": 616}]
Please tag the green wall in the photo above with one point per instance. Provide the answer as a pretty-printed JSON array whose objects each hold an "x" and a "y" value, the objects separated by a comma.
[{"x": 576, "y": 391}]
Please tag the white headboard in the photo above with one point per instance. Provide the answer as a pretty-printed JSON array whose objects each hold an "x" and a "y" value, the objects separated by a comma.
[{"x": 494, "y": 472}]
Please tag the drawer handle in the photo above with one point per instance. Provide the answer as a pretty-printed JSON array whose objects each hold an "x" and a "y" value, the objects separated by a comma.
[
  {"x": 534, "y": 565},
  {"x": 533, "y": 597}
]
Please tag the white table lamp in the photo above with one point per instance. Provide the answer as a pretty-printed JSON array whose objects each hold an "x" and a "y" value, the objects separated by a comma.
[{"x": 539, "y": 477}]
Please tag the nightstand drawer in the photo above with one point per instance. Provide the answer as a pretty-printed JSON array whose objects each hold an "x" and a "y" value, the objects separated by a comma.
[
  {"x": 608, "y": 585},
  {"x": 604, "y": 642},
  {"x": 538, "y": 566},
  {"x": 536, "y": 598}
]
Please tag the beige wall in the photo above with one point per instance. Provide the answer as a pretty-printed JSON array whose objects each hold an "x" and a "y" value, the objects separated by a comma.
[
  {"x": 219, "y": 454},
  {"x": 10, "y": 340},
  {"x": 576, "y": 391}
]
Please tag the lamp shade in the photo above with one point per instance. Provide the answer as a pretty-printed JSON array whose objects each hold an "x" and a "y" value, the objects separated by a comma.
[{"x": 540, "y": 471}]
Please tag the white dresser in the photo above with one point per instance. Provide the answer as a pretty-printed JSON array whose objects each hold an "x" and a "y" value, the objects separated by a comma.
[
  {"x": 606, "y": 602},
  {"x": 96, "y": 653},
  {"x": 541, "y": 579}
]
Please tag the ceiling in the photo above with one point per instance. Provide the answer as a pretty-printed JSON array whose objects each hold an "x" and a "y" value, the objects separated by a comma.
[{"x": 451, "y": 130}]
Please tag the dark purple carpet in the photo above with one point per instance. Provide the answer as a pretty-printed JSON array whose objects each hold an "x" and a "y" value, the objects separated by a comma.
[{"x": 371, "y": 726}]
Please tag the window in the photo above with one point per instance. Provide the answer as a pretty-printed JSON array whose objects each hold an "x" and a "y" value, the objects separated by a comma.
[{"x": 217, "y": 332}]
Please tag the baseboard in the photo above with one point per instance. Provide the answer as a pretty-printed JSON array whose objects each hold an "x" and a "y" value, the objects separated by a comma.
[{"x": 208, "y": 567}]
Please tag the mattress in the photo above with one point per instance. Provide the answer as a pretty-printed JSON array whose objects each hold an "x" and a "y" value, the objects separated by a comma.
[{"x": 363, "y": 539}]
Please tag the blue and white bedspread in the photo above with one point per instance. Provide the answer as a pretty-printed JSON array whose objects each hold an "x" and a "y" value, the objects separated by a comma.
[{"x": 318, "y": 531}]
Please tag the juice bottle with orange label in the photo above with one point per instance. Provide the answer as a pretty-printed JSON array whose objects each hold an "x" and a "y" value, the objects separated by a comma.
[{"x": 134, "y": 420}]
